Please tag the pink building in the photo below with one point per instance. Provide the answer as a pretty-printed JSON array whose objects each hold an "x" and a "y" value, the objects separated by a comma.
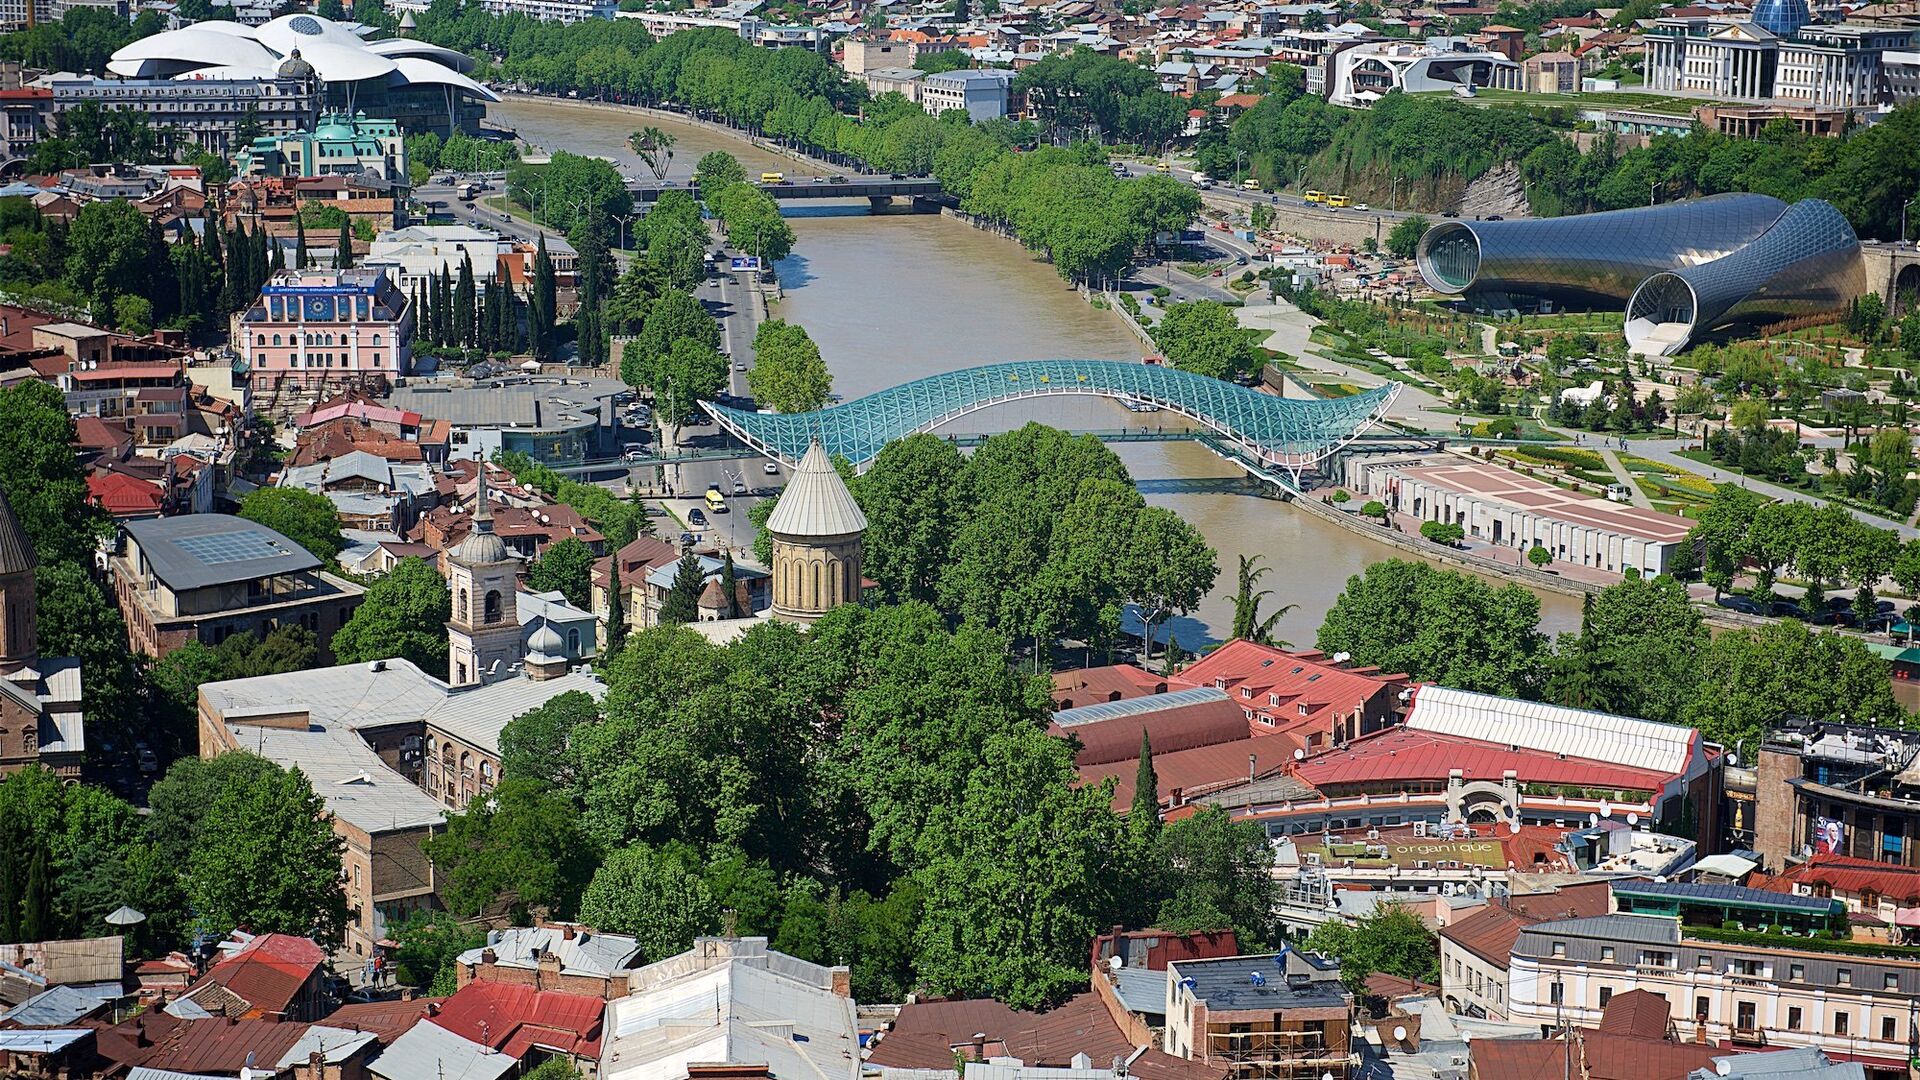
[{"x": 327, "y": 329}]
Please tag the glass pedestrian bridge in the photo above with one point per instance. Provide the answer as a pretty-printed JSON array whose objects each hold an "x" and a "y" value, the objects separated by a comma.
[{"x": 1273, "y": 432}]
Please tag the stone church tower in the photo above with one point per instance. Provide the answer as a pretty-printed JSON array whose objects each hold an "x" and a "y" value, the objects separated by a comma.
[
  {"x": 816, "y": 530},
  {"x": 483, "y": 636}
]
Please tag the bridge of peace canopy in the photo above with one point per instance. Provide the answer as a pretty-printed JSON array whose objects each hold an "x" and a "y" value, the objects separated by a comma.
[{"x": 1264, "y": 433}]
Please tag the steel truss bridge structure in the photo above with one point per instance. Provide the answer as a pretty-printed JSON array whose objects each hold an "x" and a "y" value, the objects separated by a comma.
[{"x": 1267, "y": 434}]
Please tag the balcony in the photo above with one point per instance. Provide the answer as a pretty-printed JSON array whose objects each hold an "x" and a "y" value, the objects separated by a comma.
[{"x": 1748, "y": 1036}]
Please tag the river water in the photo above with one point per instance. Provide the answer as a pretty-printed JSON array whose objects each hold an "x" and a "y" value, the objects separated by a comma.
[{"x": 896, "y": 297}]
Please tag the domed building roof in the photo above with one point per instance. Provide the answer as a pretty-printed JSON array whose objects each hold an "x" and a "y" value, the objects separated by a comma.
[
  {"x": 816, "y": 502},
  {"x": 481, "y": 547},
  {"x": 334, "y": 126},
  {"x": 545, "y": 644},
  {"x": 16, "y": 551},
  {"x": 1781, "y": 18},
  {"x": 294, "y": 67}
]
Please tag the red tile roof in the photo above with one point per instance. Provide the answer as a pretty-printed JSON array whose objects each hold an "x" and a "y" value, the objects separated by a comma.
[
  {"x": 388, "y": 1020},
  {"x": 1398, "y": 755},
  {"x": 1640, "y": 1013},
  {"x": 1197, "y": 771},
  {"x": 1490, "y": 932},
  {"x": 1849, "y": 876},
  {"x": 636, "y": 559},
  {"x": 1176, "y": 726},
  {"x": 514, "y": 1019},
  {"x": 1279, "y": 684},
  {"x": 121, "y": 495},
  {"x": 214, "y": 1046},
  {"x": 927, "y": 1033},
  {"x": 1115, "y": 682},
  {"x": 268, "y": 973}
]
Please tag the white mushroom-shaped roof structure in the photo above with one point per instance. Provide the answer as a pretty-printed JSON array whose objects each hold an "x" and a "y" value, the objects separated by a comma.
[{"x": 228, "y": 50}]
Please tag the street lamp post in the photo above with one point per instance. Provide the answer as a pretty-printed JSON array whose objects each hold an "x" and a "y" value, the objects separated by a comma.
[
  {"x": 1903, "y": 216},
  {"x": 1652, "y": 187}
]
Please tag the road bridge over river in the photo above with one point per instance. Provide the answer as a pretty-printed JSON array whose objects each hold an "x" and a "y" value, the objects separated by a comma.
[{"x": 878, "y": 190}]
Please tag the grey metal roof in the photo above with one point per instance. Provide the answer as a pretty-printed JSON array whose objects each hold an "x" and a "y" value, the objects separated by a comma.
[
  {"x": 194, "y": 551},
  {"x": 1537, "y": 940},
  {"x": 1726, "y": 894},
  {"x": 42, "y": 1040},
  {"x": 590, "y": 953},
  {"x": 476, "y": 714},
  {"x": 333, "y": 1044},
  {"x": 1257, "y": 982},
  {"x": 1142, "y": 990},
  {"x": 1152, "y": 703},
  {"x": 529, "y": 403},
  {"x": 64, "y": 1004},
  {"x": 1799, "y": 1062},
  {"x": 816, "y": 502},
  {"x": 430, "y": 1052}
]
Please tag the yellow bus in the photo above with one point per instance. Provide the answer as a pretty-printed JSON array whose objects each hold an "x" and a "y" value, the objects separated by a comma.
[
  {"x": 1338, "y": 201},
  {"x": 1315, "y": 196},
  {"x": 773, "y": 178},
  {"x": 716, "y": 502}
]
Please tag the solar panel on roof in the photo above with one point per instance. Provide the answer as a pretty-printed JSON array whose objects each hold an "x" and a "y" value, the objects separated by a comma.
[{"x": 218, "y": 549}]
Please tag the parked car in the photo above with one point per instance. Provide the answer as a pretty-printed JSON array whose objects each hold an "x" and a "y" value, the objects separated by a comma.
[
  {"x": 1740, "y": 604},
  {"x": 697, "y": 518},
  {"x": 1786, "y": 609},
  {"x": 686, "y": 540},
  {"x": 1495, "y": 217},
  {"x": 1835, "y": 618}
]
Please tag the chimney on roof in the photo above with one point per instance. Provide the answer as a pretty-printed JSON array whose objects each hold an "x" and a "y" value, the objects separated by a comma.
[
  {"x": 979, "y": 1046},
  {"x": 566, "y": 932},
  {"x": 1253, "y": 766},
  {"x": 488, "y": 957}
]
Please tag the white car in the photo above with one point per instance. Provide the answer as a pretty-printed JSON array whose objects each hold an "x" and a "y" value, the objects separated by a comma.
[
  {"x": 739, "y": 487},
  {"x": 773, "y": 468},
  {"x": 1362, "y": 206}
]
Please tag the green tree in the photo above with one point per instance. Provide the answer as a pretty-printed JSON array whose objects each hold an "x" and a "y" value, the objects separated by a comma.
[
  {"x": 541, "y": 300},
  {"x": 520, "y": 843},
  {"x": 535, "y": 745},
  {"x": 1752, "y": 681},
  {"x": 112, "y": 250},
  {"x": 911, "y": 497},
  {"x": 403, "y": 614},
  {"x": 655, "y": 150},
  {"x": 1445, "y": 533},
  {"x": 1248, "y": 624},
  {"x": 429, "y": 945},
  {"x": 788, "y": 374},
  {"x": 682, "y": 604},
  {"x": 1390, "y": 941},
  {"x": 1438, "y": 626},
  {"x": 753, "y": 221},
  {"x": 1405, "y": 236},
  {"x": 304, "y": 517},
  {"x": 42, "y": 479},
  {"x": 1143, "y": 817},
  {"x": 715, "y": 171},
  {"x": 1204, "y": 337},
  {"x": 1220, "y": 874},
  {"x": 566, "y": 566},
  {"x": 267, "y": 858},
  {"x": 1019, "y": 875},
  {"x": 654, "y": 896}
]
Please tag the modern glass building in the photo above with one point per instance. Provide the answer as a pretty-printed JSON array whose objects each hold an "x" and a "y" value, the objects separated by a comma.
[
  {"x": 1781, "y": 18},
  {"x": 1807, "y": 263},
  {"x": 1592, "y": 260}
]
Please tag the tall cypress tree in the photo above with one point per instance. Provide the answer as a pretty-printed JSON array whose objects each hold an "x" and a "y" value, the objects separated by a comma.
[
  {"x": 12, "y": 869},
  {"x": 299, "y": 242},
  {"x": 616, "y": 611},
  {"x": 463, "y": 299},
  {"x": 728, "y": 584},
  {"x": 343, "y": 254},
  {"x": 1143, "y": 817},
  {"x": 541, "y": 301},
  {"x": 443, "y": 310},
  {"x": 231, "y": 275},
  {"x": 36, "y": 913},
  {"x": 682, "y": 604}
]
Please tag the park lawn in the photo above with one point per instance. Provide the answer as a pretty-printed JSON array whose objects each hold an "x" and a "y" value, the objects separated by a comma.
[
  {"x": 1598, "y": 99},
  {"x": 1334, "y": 390}
]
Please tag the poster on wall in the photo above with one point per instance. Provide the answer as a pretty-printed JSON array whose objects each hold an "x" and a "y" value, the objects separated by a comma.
[{"x": 1829, "y": 836}]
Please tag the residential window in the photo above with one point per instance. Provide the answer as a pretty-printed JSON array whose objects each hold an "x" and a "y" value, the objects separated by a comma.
[
  {"x": 1843, "y": 976},
  {"x": 1700, "y": 1008},
  {"x": 1793, "y": 1018},
  {"x": 1798, "y": 972},
  {"x": 1606, "y": 995},
  {"x": 1886, "y": 1029},
  {"x": 1559, "y": 948},
  {"x": 1840, "y": 1023},
  {"x": 1558, "y": 994},
  {"x": 1705, "y": 963},
  {"x": 1606, "y": 954},
  {"x": 1891, "y": 981}
]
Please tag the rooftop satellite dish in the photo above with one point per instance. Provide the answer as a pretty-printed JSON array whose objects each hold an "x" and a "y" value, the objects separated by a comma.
[
  {"x": 1299, "y": 753},
  {"x": 1116, "y": 963},
  {"x": 1592, "y": 820},
  {"x": 1633, "y": 819},
  {"x": 1606, "y": 808},
  {"x": 1723, "y": 1067},
  {"x": 1399, "y": 1034},
  {"x": 1513, "y": 828}
]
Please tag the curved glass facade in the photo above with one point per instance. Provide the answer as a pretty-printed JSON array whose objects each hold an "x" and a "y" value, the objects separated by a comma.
[
  {"x": 1592, "y": 259},
  {"x": 1808, "y": 263},
  {"x": 1781, "y": 18}
]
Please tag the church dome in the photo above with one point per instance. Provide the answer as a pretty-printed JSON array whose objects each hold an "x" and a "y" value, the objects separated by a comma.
[
  {"x": 481, "y": 547},
  {"x": 16, "y": 551},
  {"x": 816, "y": 502},
  {"x": 545, "y": 644},
  {"x": 1781, "y": 18}
]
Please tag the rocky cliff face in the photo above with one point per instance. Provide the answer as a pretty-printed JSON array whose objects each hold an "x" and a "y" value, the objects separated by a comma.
[{"x": 1498, "y": 191}]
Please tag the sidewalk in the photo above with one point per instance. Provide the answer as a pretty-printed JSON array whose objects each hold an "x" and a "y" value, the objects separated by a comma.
[{"x": 1621, "y": 474}]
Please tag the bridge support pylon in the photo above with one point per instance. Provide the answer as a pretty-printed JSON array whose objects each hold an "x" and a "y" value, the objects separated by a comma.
[{"x": 879, "y": 203}]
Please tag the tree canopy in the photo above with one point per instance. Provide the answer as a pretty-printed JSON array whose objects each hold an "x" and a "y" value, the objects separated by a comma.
[{"x": 403, "y": 614}]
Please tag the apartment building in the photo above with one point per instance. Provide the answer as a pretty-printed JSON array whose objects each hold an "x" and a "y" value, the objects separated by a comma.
[
  {"x": 1838, "y": 789},
  {"x": 1739, "y": 991},
  {"x": 1276, "y": 1016},
  {"x": 327, "y": 329},
  {"x": 199, "y": 113}
]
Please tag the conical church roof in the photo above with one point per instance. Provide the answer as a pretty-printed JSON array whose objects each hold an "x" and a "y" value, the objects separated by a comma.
[
  {"x": 816, "y": 502},
  {"x": 16, "y": 551}
]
